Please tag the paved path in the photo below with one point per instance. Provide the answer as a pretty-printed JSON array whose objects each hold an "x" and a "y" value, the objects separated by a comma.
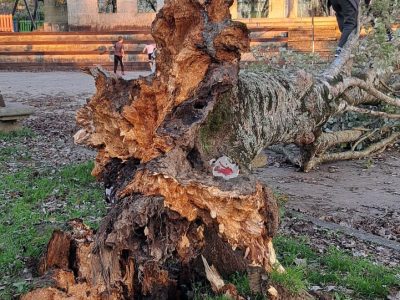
[{"x": 48, "y": 83}]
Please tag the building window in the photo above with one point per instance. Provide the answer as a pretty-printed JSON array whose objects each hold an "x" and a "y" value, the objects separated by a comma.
[
  {"x": 308, "y": 8},
  {"x": 147, "y": 6},
  {"x": 107, "y": 6},
  {"x": 60, "y": 2},
  {"x": 253, "y": 8}
]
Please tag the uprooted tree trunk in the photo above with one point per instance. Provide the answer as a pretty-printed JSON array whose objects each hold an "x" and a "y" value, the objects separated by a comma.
[{"x": 155, "y": 136}]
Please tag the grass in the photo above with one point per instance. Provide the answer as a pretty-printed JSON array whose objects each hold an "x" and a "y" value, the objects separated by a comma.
[
  {"x": 305, "y": 267},
  {"x": 241, "y": 281},
  {"x": 15, "y": 135},
  {"x": 361, "y": 275},
  {"x": 290, "y": 251},
  {"x": 32, "y": 204},
  {"x": 10, "y": 151},
  {"x": 281, "y": 199},
  {"x": 365, "y": 278},
  {"x": 293, "y": 279}
]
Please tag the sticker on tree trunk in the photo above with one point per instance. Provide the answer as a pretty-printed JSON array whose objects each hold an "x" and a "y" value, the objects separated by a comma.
[{"x": 224, "y": 167}]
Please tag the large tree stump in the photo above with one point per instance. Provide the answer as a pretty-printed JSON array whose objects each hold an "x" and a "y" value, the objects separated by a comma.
[
  {"x": 155, "y": 136},
  {"x": 168, "y": 209}
]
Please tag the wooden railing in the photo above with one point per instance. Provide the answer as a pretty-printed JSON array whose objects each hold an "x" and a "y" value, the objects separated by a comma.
[
  {"x": 6, "y": 23},
  {"x": 26, "y": 25}
]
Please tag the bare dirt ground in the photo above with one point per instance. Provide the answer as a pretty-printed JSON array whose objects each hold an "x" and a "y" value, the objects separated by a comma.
[
  {"x": 359, "y": 200},
  {"x": 55, "y": 97},
  {"x": 363, "y": 194},
  {"x": 353, "y": 205}
]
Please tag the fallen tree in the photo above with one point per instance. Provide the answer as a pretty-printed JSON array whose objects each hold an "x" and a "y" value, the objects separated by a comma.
[{"x": 171, "y": 219}]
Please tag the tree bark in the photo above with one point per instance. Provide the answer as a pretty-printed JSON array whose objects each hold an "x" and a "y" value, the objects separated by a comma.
[
  {"x": 155, "y": 137},
  {"x": 168, "y": 211}
]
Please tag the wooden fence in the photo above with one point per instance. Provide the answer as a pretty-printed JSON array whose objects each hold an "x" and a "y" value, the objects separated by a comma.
[{"x": 6, "y": 23}]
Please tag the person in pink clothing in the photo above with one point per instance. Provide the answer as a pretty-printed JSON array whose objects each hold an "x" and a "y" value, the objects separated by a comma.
[
  {"x": 151, "y": 53},
  {"x": 119, "y": 54}
]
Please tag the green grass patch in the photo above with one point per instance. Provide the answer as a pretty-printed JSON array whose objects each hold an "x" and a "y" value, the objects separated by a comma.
[
  {"x": 293, "y": 279},
  {"x": 210, "y": 297},
  {"x": 32, "y": 204},
  {"x": 20, "y": 153},
  {"x": 360, "y": 275},
  {"x": 12, "y": 148},
  {"x": 306, "y": 267},
  {"x": 239, "y": 280},
  {"x": 355, "y": 278},
  {"x": 16, "y": 135},
  {"x": 291, "y": 249},
  {"x": 281, "y": 199}
]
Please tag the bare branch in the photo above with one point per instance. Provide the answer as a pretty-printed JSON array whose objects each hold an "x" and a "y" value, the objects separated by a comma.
[
  {"x": 347, "y": 155},
  {"x": 339, "y": 62},
  {"x": 330, "y": 139},
  {"x": 351, "y": 82},
  {"x": 361, "y": 97},
  {"x": 363, "y": 138},
  {"x": 372, "y": 112},
  {"x": 327, "y": 140},
  {"x": 387, "y": 87}
]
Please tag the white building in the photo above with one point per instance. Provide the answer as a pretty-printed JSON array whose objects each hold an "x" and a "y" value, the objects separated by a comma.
[{"x": 86, "y": 15}]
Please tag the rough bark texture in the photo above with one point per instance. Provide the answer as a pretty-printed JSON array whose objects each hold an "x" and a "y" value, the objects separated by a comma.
[
  {"x": 168, "y": 210},
  {"x": 155, "y": 136}
]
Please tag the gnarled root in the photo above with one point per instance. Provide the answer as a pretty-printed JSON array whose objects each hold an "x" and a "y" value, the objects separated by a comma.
[{"x": 375, "y": 148}]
